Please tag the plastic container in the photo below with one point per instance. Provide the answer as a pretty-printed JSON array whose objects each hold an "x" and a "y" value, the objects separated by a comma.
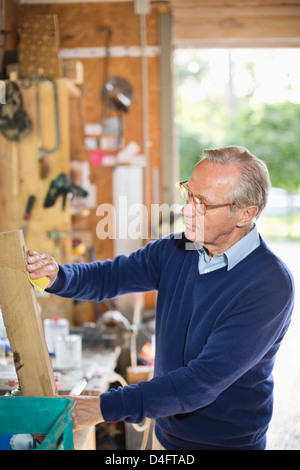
[
  {"x": 53, "y": 328},
  {"x": 51, "y": 417},
  {"x": 68, "y": 352}
]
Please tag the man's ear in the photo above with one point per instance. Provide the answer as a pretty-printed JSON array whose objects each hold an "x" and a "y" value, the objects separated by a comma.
[{"x": 247, "y": 215}]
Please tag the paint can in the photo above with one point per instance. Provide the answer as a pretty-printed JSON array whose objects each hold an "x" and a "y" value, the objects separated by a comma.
[
  {"x": 53, "y": 328},
  {"x": 68, "y": 352}
]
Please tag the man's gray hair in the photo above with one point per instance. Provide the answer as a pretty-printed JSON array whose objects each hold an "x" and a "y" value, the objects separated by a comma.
[{"x": 254, "y": 186}]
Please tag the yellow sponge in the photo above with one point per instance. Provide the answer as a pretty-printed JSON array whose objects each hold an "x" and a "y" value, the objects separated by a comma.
[{"x": 40, "y": 284}]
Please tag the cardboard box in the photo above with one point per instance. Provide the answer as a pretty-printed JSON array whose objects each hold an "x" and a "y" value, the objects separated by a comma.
[{"x": 73, "y": 69}]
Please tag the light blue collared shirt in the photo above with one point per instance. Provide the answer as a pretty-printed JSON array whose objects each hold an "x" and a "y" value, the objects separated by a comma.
[{"x": 230, "y": 257}]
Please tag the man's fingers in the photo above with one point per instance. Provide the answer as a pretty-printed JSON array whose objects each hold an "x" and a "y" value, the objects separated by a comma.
[
  {"x": 40, "y": 265},
  {"x": 34, "y": 257}
]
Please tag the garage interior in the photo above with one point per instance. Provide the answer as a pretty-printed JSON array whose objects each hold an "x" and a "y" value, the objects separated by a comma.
[{"x": 95, "y": 84}]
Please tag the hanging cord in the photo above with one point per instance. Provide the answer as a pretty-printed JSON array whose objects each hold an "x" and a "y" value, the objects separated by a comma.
[
  {"x": 108, "y": 31},
  {"x": 145, "y": 426},
  {"x": 2, "y": 24},
  {"x": 145, "y": 100},
  {"x": 2, "y": 36}
]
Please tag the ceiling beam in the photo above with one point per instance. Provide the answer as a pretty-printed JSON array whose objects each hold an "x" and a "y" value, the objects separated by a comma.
[
  {"x": 31, "y": 2},
  {"x": 236, "y": 23},
  {"x": 197, "y": 11},
  {"x": 232, "y": 3}
]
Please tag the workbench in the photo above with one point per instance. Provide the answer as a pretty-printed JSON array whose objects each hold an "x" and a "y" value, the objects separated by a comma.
[
  {"x": 106, "y": 360},
  {"x": 30, "y": 365}
]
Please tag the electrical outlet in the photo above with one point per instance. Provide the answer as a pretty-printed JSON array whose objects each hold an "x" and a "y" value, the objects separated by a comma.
[{"x": 142, "y": 7}]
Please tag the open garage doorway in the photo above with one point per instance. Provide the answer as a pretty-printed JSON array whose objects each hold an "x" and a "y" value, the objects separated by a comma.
[{"x": 251, "y": 97}]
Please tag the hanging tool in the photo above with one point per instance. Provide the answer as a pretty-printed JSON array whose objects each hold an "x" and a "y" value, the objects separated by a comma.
[
  {"x": 62, "y": 187},
  {"x": 42, "y": 152},
  {"x": 117, "y": 92},
  {"x": 27, "y": 214},
  {"x": 15, "y": 123},
  {"x": 56, "y": 237},
  {"x": 108, "y": 31}
]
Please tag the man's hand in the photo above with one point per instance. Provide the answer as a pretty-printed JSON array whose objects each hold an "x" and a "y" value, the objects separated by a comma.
[
  {"x": 86, "y": 412},
  {"x": 39, "y": 265}
]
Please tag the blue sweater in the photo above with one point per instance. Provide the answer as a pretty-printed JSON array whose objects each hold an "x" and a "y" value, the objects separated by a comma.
[{"x": 216, "y": 340}]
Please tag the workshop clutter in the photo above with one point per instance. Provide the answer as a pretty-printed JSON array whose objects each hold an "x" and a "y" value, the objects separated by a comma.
[
  {"x": 63, "y": 347},
  {"x": 35, "y": 155},
  {"x": 49, "y": 177},
  {"x": 53, "y": 328},
  {"x": 40, "y": 189},
  {"x": 16, "y": 125}
]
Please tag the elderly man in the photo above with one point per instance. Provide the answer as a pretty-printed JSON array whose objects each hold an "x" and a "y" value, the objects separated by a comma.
[{"x": 223, "y": 307}]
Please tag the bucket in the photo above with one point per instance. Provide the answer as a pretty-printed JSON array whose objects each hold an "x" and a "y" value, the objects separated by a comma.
[{"x": 49, "y": 417}]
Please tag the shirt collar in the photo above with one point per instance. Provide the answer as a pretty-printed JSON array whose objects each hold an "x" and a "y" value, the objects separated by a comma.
[
  {"x": 239, "y": 250},
  {"x": 242, "y": 248}
]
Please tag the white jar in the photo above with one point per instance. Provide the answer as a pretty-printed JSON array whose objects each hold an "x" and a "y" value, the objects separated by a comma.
[
  {"x": 53, "y": 328},
  {"x": 68, "y": 352}
]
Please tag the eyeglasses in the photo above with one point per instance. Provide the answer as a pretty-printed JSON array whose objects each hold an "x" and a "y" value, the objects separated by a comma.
[{"x": 187, "y": 195}]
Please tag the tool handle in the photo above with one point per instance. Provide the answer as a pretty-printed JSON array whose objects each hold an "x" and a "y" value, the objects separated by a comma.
[
  {"x": 29, "y": 206},
  {"x": 80, "y": 386},
  {"x": 90, "y": 372}
]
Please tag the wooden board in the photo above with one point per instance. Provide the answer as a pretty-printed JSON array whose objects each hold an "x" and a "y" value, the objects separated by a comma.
[
  {"x": 238, "y": 23},
  {"x": 22, "y": 319}
]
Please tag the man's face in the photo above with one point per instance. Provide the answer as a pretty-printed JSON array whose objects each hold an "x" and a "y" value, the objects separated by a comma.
[{"x": 212, "y": 183}]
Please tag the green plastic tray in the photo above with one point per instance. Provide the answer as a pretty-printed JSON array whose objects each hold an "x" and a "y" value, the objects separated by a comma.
[{"x": 49, "y": 416}]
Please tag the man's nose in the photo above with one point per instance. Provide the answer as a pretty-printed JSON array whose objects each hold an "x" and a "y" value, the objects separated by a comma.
[{"x": 189, "y": 208}]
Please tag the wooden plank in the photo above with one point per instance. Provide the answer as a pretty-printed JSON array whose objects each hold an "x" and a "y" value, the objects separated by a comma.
[
  {"x": 225, "y": 11},
  {"x": 240, "y": 28},
  {"x": 233, "y": 43},
  {"x": 231, "y": 3},
  {"x": 236, "y": 23},
  {"x": 22, "y": 319},
  {"x": 85, "y": 439},
  {"x": 29, "y": 2}
]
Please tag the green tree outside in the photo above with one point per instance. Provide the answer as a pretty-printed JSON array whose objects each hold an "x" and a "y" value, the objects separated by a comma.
[{"x": 213, "y": 112}]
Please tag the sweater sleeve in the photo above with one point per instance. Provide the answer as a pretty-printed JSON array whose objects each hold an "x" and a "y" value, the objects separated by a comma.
[
  {"x": 236, "y": 345},
  {"x": 99, "y": 280}
]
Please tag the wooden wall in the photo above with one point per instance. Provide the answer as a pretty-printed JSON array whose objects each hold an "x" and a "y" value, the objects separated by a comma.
[
  {"x": 20, "y": 178},
  {"x": 78, "y": 27},
  {"x": 78, "y": 24}
]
